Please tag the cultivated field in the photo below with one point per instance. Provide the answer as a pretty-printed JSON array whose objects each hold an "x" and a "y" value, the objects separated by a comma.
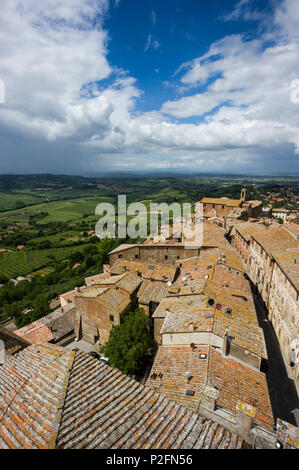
[{"x": 24, "y": 262}]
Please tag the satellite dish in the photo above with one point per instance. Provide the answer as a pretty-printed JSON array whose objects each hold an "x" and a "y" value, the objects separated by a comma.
[
  {"x": 184, "y": 278},
  {"x": 169, "y": 283},
  {"x": 206, "y": 276}
]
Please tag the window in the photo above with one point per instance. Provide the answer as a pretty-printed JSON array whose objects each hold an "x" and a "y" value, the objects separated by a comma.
[
  {"x": 166, "y": 256},
  {"x": 111, "y": 318},
  {"x": 136, "y": 256},
  {"x": 120, "y": 256}
]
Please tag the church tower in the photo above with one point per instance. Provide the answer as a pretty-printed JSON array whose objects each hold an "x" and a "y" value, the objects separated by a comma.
[{"x": 243, "y": 195}]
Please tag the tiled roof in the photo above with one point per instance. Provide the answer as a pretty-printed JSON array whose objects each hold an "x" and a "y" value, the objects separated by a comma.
[
  {"x": 293, "y": 229},
  {"x": 93, "y": 291},
  {"x": 89, "y": 281},
  {"x": 152, "y": 291},
  {"x": 115, "y": 299},
  {"x": 278, "y": 243},
  {"x": 168, "y": 374},
  {"x": 179, "y": 321},
  {"x": 188, "y": 287},
  {"x": 231, "y": 298},
  {"x": 230, "y": 290},
  {"x": 129, "y": 282},
  {"x": 36, "y": 332},
  {"x": 51, "y": 327},
  {"x": 234, "y": 380},
  {"x": 222, "y": 200},
  {"x": 178, "y": 304},
  {"x": 32, "y": 386},
  {"x": 51, "y": 397},
  {"x": 158, "y": 272},
  {"x": 122, "y": 247}
]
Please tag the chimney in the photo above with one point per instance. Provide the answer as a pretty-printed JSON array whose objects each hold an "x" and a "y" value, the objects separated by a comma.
[
  {"x": 209, "y": 397},
  {"x": 226, "y": 344},
  {"x": 244, "y": 419}
]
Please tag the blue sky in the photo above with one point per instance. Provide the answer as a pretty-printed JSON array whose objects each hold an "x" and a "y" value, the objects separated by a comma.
[
  {"x": 183, "y": 30},
  {"x": 131, "y": 85}
]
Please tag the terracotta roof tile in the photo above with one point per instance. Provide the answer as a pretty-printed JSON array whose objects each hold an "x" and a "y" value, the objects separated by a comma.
[
  {"x": 51, "y": 397},
  {"x": 235, "y": 381}
]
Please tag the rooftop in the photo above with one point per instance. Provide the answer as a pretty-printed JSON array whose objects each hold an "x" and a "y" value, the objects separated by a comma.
[
  {"x": 51, "y": 327},
  {"x": 225, "y": 201},
  {"x": 234, "y": 380},
  {"x": 158, "y": 272},
  {"x": 122, "y": 247},
  {"x": 151, "y": 291},
  {"x": 278, "y": 243},
  {"x": 229, "y": 295},
  {"x": 67, "y": 399},
  {"x": 89, "y": 281},
  {"x": 178, "y": 304}
]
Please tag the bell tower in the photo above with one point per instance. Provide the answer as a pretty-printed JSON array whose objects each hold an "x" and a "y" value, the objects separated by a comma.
[{"x": 243, "y": 195}]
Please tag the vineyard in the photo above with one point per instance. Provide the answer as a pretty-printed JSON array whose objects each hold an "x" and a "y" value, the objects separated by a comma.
[{"x": 22, "y": 263}]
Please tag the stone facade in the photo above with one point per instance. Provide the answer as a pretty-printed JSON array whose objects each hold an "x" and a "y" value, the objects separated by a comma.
[
  {"x": 265, "y": 250},
  {"x": 97, "y": 317},
  {"x": 154, "y": 254}
]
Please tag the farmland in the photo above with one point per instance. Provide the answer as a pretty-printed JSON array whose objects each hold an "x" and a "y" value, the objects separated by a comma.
[
  {"x": 24, "y": 262},
  {"x": 53, "y": 217}
]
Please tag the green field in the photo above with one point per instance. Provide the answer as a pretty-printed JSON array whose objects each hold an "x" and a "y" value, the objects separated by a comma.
[
  {"x": 59, "y": 211},
  {"x": 24, "y": 262}
]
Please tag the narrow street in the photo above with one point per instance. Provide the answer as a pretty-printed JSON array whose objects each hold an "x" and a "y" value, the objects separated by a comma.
[{"x": 282, "y": 390}]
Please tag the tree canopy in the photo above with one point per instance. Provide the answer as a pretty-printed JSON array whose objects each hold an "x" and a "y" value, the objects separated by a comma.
[{"x": 131, "y": 346}]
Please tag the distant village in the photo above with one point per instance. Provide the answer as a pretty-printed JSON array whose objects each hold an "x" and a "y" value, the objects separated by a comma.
[{"x": 214, "y": 308}]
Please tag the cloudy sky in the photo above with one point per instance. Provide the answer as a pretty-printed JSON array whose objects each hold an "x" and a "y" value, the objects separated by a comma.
[{"x": 126, "y": 85}]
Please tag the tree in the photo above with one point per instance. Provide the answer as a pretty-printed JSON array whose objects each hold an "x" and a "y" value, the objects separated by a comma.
[{"x": 130, "y": 346}]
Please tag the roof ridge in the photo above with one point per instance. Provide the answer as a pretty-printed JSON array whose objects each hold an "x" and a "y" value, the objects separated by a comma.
[{"x": 59, "y": 409}]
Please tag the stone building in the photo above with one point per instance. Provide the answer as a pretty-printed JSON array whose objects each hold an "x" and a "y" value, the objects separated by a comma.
[
  {"x": 162, "y": 254},
  {"x": 69, "y": 400},
  {"x": 212, "y": 352},
  {"x": 231, "y": 209},
  {"x": 101, "y": 306},
  {"x": 272, "y": 256},
  {"x": 57, "y": 327},
  {"x": 281, "y": 214}
]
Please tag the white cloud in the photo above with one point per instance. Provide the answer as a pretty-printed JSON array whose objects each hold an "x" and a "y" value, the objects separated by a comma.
[
  {"x": 243, "y": 9},
  {"x": 153, "y": 17},
  {"x": 150, "y": 43},
  {"x": 54, "y": 67}
]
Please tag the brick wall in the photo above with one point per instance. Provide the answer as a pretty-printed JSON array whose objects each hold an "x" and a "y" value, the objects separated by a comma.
[
  {"x": 221, "y": 209},
  {"x": 154, "y": 254},
  {"x": 96, "y": 317}
]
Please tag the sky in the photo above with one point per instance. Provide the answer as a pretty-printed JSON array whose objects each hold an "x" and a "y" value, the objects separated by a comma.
[{"x": 146, "y": 85}]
